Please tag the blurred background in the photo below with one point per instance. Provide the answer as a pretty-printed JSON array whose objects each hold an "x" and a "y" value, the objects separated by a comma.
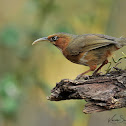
[{"x": 28, "y": 73}]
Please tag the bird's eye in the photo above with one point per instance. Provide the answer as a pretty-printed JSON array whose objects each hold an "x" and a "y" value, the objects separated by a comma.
[{"x": 54, "y": 38}]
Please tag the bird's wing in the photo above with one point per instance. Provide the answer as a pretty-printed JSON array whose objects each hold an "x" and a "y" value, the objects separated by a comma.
[{"x": 87, "y": 42}]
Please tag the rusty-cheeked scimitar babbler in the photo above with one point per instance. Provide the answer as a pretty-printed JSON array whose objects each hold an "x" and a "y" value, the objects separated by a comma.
[{"x": 87, "y": 49}]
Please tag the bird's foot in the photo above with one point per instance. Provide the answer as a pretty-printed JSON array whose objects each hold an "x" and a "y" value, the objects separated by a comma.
[
  {"x": 81, "y": 76},
  {"x": 96, "y": 74}
]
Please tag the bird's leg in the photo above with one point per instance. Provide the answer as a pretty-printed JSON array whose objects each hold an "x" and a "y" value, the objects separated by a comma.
[
  {"x": 105, "y": 62},
  {"x": 92, "y": 68}
]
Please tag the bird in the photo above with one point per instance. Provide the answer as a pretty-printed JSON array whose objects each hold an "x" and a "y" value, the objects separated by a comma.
[{"x": 86, "y": 49}]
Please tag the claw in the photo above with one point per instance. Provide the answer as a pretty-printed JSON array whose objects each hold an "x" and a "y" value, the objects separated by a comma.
[{"x": 80, "y": 76}]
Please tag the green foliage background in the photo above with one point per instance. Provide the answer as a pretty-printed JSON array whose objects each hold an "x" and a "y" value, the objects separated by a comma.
[{"x": 27, "y": 73}]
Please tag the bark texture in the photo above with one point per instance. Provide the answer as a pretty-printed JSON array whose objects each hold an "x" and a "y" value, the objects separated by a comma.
[{"x": 104, "y": 92}]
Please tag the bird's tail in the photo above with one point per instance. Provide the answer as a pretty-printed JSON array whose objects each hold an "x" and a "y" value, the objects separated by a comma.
[{"x": 121, "y": 42}]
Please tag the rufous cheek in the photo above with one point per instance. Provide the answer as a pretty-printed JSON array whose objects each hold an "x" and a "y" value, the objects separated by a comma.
[{"x": 62, "y": 43}]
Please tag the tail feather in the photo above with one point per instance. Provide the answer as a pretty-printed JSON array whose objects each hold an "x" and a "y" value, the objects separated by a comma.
[{"x": 121, "y": 42}]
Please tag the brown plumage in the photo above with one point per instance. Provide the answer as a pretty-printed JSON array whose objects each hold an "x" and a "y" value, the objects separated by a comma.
[{"x": 88, "y": 49}]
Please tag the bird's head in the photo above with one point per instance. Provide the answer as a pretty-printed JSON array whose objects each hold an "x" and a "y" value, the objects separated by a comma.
[{"x": 61, "y": 40}]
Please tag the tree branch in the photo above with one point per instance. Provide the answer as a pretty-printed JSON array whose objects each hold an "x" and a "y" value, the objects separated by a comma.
[{"x": 104, "y": 92}]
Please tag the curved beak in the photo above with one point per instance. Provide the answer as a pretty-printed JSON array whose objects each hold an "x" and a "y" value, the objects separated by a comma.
[{"x": 40, "y": 39}]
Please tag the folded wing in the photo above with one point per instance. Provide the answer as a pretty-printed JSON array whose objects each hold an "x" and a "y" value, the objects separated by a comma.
[{"x": 87, "y": 42}]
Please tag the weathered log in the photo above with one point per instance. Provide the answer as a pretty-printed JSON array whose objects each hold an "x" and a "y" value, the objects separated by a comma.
[{"x": 104, "y": 92}]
